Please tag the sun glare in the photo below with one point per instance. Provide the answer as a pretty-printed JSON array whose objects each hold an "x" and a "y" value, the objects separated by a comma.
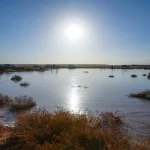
[{"x": 74, "y": 32}]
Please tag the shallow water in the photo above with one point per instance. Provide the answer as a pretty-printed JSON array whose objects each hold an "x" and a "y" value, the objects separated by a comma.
[{"x": 62, "y": 88}]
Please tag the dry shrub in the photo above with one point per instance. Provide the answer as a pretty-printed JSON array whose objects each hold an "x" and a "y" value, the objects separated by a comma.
[
  {"x": 62, "y": 130},
  {"x": 5, "y": 132},
  {"x": 5, "y": 100},
  {"x": 22, "y": 103}
]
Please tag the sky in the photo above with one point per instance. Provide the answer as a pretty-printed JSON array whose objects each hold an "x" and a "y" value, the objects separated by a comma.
[{"x": 113, "y": 31}]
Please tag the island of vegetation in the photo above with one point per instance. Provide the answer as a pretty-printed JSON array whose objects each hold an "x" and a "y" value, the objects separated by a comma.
[{"x": 142, "y": 95}]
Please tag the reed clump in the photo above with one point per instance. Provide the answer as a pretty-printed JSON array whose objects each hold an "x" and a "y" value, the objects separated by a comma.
[
  {"x": 141, "y": 95},
  {"x": 63, "y": 130}
]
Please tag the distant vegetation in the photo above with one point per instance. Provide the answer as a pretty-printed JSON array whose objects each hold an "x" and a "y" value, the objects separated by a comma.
[
  {"x": 62, "y": 130},
  {"x": 142, "y": 95},
  {"x": 20, "y": 103},
  {"x": 16, "y": 78},
  {"x": 24, "y": 84},
  {"x": 21, "y": 68}
]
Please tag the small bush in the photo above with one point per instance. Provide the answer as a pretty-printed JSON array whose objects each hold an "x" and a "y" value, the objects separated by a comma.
[
  {"x": 142, "y": 95},
  {"x": 16, "y": 78},
  {"x": 24, "y": 84},
  {"x": 22, "y": 103}
]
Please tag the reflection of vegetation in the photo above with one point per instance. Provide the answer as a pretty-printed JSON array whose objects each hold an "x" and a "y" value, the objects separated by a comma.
[
  {"x": 24, "y": 84},
  {"x": 142, "y": 95},
  {"x": 16, "y": 78},
  {"x": 85, "y": 71},
  {"x": 18, "y": 103},
  {"x": 62, "y": 130}
]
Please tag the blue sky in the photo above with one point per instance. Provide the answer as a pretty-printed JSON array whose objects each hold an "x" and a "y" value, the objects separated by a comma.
[{"x": 115, "y": 31}]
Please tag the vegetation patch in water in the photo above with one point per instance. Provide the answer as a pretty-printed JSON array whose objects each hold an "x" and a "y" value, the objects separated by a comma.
[
  {"x": 16, "y": 78},
  {"x": 142, "y": 95},
  {"x": 24, "y": 84}
]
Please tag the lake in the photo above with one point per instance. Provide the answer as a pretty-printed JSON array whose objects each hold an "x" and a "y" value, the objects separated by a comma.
[{"x": 66, "y": 88}]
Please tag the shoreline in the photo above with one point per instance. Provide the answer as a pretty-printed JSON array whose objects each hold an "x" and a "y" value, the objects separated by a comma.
[{"x": 30, "y": 68}]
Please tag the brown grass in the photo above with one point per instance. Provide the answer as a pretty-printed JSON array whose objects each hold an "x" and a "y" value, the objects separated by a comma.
[
  {"x": 62, "y": 130},
  {"x": 5, "y": 133}
]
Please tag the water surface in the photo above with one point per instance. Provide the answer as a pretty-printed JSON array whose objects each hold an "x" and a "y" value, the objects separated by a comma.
[{"x": 62, "y": 88}]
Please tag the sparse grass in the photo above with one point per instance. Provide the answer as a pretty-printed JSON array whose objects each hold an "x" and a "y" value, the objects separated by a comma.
[
  {"x": 24, "y": 84},
  {"x": 62, "y": 130},
  {"x": 16, "y": 78},
  {"x": 142, "y": 95},
  {"x": 20, "y": 103}
]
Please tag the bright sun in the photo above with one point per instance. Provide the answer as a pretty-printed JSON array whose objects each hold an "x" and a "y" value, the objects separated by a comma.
[{"x": 74, "y": 32}]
